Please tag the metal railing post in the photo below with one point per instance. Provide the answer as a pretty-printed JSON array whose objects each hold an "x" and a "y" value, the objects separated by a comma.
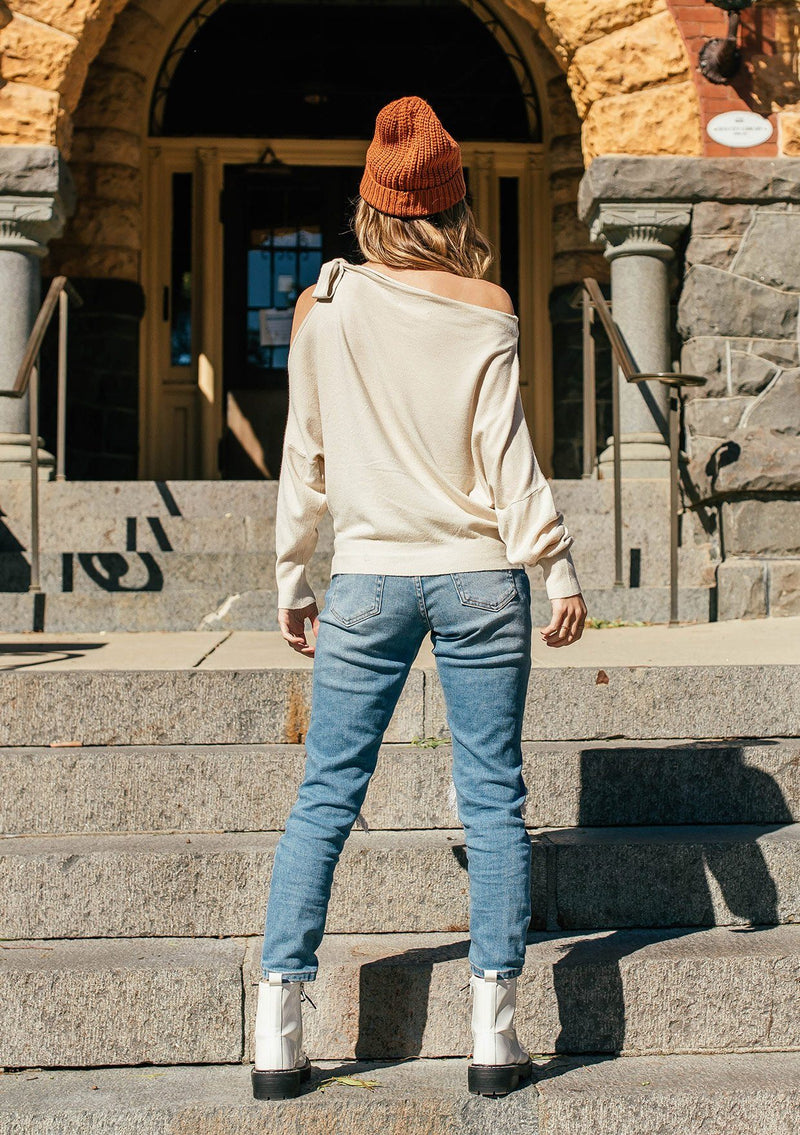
[
  {"x": 674, "y": 403},
  {"x": 61, "y": 397},
  {"x": 615, "y": 429},
  {"x": 35, "y": 583},
  {"x": 589, "y": 388},
  {"x": 624, "y": 365}
]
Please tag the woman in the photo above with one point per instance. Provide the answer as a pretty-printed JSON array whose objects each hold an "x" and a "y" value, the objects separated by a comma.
[{"x": 407, "y": 366}]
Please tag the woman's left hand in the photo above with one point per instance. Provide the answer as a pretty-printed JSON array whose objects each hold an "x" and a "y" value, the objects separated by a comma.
[{"x": 293, "y": 627}]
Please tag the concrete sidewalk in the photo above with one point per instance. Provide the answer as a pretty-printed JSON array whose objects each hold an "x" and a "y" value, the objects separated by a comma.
[{"x": 735, "y": 642}]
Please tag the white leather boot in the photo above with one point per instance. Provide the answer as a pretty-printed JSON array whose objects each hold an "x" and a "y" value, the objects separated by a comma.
[
  {"x": 498, "y": 1060},
  {"x": 280, "y": 1063}
]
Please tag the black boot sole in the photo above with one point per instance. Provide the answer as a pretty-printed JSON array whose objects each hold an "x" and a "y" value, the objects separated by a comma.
[
  {"x": 279, "y": 1085},
  {"x": 496, "y": 1079}
]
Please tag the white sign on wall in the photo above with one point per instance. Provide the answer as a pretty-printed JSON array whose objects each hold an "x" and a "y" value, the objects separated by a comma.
[
  {"x": 275, "y": 326},
  {"x": 739, "y": 128}
]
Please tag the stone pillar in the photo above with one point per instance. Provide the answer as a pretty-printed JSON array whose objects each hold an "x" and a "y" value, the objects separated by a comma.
[
  {"x": 35, "y": 196},
  {"x": 638, "y": 241}
]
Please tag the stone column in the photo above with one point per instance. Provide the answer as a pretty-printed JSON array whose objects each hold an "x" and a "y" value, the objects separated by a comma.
[
  {"x": 638, "y": 241},
  {"x": 35, "y": 196}
]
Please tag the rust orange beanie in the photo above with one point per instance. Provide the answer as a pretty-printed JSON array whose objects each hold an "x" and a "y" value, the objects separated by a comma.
[{"x": 413, "y": 165}]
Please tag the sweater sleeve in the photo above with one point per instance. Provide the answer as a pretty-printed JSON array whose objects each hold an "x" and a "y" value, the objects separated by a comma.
[
  {"x": 531, "y": 527},
  {"x": 302, "y": 500}
]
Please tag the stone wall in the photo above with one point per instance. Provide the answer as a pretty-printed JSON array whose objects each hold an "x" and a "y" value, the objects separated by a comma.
[{"x": 739, "y": 317}]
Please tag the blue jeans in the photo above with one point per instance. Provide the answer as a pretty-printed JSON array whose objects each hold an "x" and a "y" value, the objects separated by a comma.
[{"x": 371, "y": 628}]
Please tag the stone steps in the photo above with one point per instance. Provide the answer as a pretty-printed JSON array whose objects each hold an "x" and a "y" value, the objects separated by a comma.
[
  {"x": 233, "y": 605},
  {"x": 681, "y": 1095},
  {"x": 101, "y": 1002},
  {"x": 203, "y": 884},
  {"x": 113, "y": 554},
  {"x": 195, "y": 707},
  {"x": 252, "y": 787}
]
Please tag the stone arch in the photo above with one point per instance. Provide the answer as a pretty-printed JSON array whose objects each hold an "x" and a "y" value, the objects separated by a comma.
[
  {"x": 625, "y": 60},
  {"x": 103, "y": 238}
]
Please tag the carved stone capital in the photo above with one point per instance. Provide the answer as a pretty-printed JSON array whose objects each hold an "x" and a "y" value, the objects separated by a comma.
[
  {"x": 639, "y": 229},
  {"x": 28, "y": 223}
]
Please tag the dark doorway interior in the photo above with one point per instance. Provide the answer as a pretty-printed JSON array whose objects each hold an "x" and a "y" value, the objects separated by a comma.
[{"x": 324, "y": 68}]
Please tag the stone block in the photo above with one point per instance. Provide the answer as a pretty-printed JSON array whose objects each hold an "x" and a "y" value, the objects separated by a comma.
[
  {"x": 789, "y": 133},
  {"x": 778, "y": 406},
  {"x": 784, "y": 587},
  {"x": 718, "y": 251},
  {"x": 158, "y": 1001},
  {"x": 420, "y": 1097},
  {"x": 576, "y": 22},
  {"x": 187, "y": 706},
  {"x": 734, "y": 1095},
  {"x": 136, "y": 37},
  {"x": 713, "y": 218},
  {"x": 105, "y": 145},
  {"x": 625, "y": 177},
  {"x": 714, "y": 417},
  {"x": 660, "y": 120},
  {"x": 715, "y": 303},
  {"x": 741, "y": 589},
  {"x": 635, "y": 992},
  {"x": 42, "y": 56},
  {"x": 734, "y": 367},
  {"x": 676, "y": 876},
  {"x": 197, "y": 884},
  {"x": 769, "y": 251},
  {"x": 751, "y": 460},
  {"x": 117, "y": 225},
  {"x": 252, "y": 788},
  {"x": 102, "y": 262},
  {"x": 28, "y": 116},
  {"x": 634, "y": 57},
  {"x": 761, "y": 527},
  {"x": 112, "y": 97}
]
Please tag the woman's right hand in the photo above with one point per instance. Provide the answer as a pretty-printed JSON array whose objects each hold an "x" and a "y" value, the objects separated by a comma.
[{"x": 566, "y": 625}]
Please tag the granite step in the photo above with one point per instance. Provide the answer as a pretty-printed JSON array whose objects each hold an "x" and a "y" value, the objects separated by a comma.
[
  {"x": 195, "y": 706},
  {"x": 83, "y": 1003},
  {"x": 671, "y": 1095},
  {"x": 89, "y": 886},
  {"x": 252, "y": 787},
  {"x": 234, "y": 605}
]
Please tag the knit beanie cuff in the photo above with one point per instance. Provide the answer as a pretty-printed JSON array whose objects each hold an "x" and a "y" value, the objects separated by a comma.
[{"x": 412, "y": 202}]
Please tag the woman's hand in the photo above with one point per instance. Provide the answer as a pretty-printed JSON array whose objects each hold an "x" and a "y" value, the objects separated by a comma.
[
  {"x": 293, "y": 627},
  {"x": 566, "y": 625}
]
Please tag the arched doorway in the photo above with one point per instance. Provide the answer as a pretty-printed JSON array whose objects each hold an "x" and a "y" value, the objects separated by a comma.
[{"x": 259, "y": 121}]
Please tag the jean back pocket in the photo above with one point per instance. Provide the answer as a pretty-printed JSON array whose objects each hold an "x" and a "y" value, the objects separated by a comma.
[
  {"x": 491, "y": 590},
  {"x": 355, "y": 597}
]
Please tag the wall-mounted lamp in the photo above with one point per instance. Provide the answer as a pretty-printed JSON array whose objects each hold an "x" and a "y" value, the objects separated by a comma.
[{"x": 720, "y": 59}]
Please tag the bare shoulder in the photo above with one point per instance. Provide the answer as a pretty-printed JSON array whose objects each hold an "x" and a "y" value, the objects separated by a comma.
[
  {"x": 490, "y": 295},
  {"x": 305, "y": 301}
]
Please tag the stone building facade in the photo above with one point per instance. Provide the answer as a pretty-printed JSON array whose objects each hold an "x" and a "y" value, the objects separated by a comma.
[{"x": 598, "y": 163}]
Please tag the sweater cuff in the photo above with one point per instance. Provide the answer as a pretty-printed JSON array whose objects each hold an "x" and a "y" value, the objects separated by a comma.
[
  {"x": 560, "y": 577},
  {"x": 294, "y": 591}
]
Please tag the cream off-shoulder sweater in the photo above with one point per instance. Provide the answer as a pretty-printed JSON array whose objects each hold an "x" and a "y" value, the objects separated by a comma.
[{"x": 406, "y": 423}]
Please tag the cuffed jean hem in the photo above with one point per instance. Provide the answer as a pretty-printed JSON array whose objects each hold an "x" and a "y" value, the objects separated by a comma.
[
  {"x": 291, "y": 975},
  {"x": 502, "y": 974}
]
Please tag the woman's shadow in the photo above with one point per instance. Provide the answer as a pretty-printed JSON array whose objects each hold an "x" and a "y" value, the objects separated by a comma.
[{"x": 706, "y": 779}]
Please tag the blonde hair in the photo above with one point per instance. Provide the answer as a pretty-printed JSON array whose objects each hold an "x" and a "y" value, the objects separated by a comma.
[{"x": 449, "y": 239}]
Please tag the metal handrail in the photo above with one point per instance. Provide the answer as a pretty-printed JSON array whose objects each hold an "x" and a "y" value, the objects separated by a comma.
[
  {"x": 593, "y": 301},
  {"x": 60, "y": 292}
]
